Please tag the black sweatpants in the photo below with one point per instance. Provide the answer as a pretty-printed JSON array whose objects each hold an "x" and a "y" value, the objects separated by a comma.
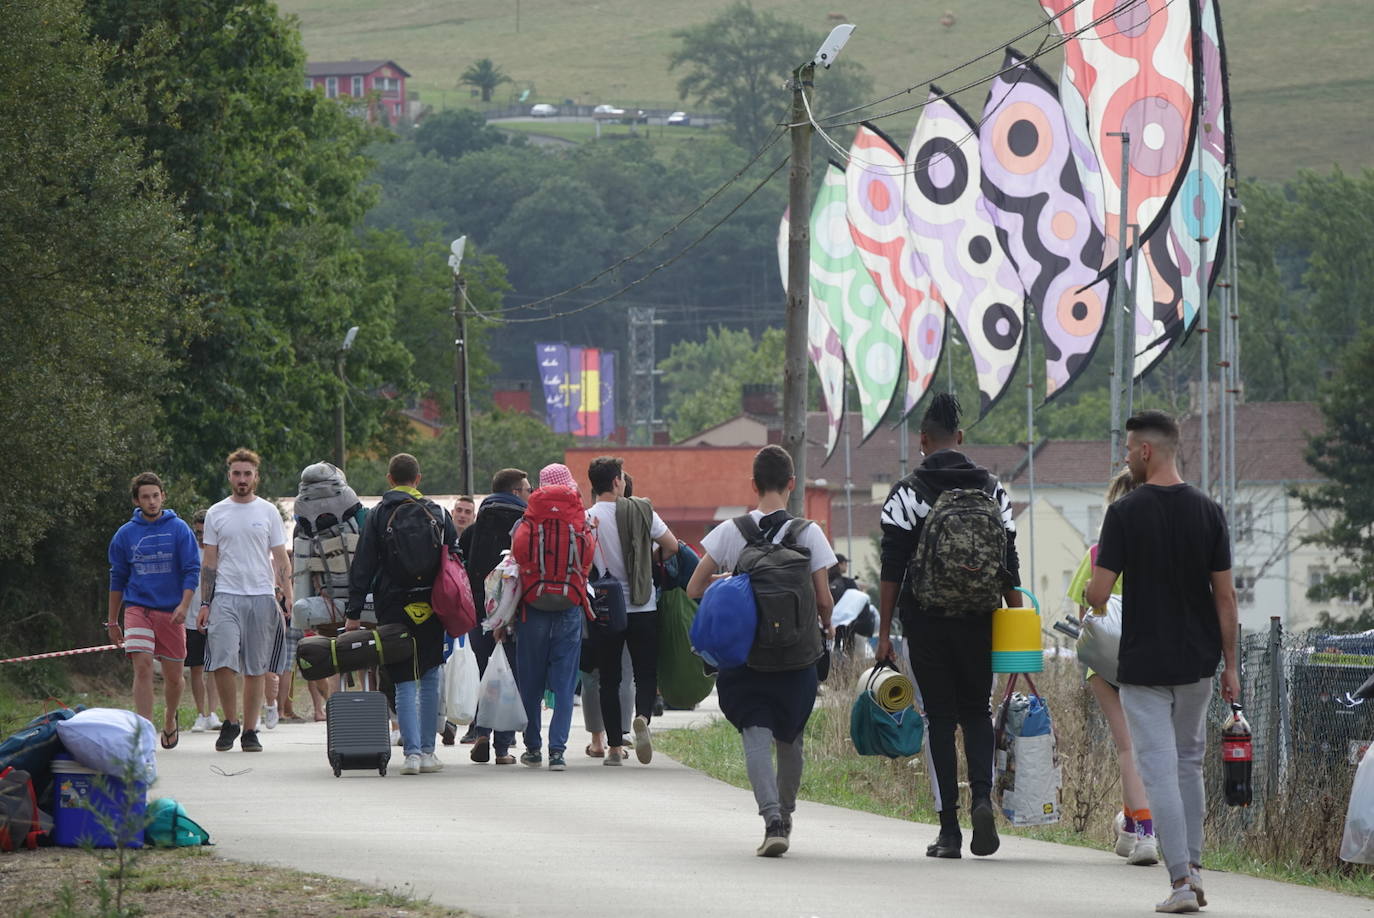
[
  {"x": 952, "y": 660},
  {"x": 641, "y": 635}
]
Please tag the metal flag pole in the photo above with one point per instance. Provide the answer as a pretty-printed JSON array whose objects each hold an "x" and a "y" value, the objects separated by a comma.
[
  {"x": 1231, "y": 214},
  {"x": 1205, "y": 369},
  {"x": 1118, "y": 303},
  {"x": 1130, "y": 322},
  {"x": 1030, "y": 445},
  {"x": 848, "y": 477}
]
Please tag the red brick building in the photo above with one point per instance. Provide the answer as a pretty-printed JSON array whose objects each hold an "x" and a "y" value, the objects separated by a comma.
[{"x": 359, "y": 79}]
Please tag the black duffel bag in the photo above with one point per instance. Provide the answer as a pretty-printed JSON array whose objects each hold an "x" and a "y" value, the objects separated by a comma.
[{"x": 318, "y": 657}]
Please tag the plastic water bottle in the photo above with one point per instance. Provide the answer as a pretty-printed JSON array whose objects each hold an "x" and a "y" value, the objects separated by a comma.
[{"x": 1237, "y": 754}]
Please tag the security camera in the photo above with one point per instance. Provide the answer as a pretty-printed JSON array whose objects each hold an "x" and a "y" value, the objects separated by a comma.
[{"x": 830, "y": 48}]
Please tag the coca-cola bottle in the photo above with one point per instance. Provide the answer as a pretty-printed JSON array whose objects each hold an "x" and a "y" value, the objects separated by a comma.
[{"x": 1236, "y": 757}]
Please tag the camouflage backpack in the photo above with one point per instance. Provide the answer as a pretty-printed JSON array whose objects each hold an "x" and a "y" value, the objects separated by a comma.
[{"x": 957, "y": 566}]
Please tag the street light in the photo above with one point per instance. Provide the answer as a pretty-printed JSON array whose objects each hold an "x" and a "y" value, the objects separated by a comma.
[
  {"x": 340, "y": 453},
  {"x": 461, "y": 405}
]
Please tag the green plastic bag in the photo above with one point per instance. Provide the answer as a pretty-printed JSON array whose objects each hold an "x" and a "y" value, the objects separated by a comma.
[
  {"x": 681, "y": 676},
  {"x": 876, "y": 732},
  {"x": 170, "y": 827}
]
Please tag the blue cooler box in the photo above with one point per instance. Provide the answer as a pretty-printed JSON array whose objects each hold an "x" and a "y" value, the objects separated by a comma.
[{"x": 89, "y": 806}]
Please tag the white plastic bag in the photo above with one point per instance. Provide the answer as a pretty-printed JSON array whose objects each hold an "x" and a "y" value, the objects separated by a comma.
[
  {"x": 113, "y": 742},
  {"x": 503, "y": 593},
  {"x": 1357, "y": 842},
  {"x": 460, "y": 683},
  {"x": 1100, "y": 642},
  {"x": 498, "y": 698}
]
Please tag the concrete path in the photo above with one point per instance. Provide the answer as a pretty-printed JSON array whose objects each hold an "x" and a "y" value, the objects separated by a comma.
[{"x": 656, "y": 840}]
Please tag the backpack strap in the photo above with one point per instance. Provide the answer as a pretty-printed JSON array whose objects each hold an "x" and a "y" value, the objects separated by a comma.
[
  {"x": 791, "y": 532},
  {"x": 748, "y": 528}
]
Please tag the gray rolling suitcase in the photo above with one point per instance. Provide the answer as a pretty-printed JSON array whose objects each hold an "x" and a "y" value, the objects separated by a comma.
[{"x": 358, "y": 729}]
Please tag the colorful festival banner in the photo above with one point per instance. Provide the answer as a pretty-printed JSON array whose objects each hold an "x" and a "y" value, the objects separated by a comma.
[
  {"x": 579, "y": 389},
  {"x": 823, "y": 347},
  {"x": 947, "y": 215},
  {"x": 877, "y": 223},
  {"x": 841, "y": 284},
  {"x": 552, "y": 358},
  {"x": 1036, "y": 199}
]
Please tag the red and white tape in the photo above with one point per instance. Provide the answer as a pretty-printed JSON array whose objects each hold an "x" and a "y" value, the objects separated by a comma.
[{"x": 60, "y": 653}]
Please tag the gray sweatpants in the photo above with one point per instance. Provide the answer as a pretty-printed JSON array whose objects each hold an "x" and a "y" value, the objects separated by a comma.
[
  {"x": 1168, "y": 732},
  {"x": 775, "y": 790},
  {"x": 591, "y": 696}
]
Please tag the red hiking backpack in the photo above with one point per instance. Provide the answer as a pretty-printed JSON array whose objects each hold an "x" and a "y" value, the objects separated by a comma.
[{"x": 553, "y": 546}]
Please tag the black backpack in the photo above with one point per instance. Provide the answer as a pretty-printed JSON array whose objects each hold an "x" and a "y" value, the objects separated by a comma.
[
  {"x": 413, "y": 540},
  {"x": 788, "y": 636}
]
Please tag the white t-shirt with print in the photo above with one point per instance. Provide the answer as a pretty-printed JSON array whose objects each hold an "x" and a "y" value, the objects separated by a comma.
[
  {"x": 245, "y": 535},
  {"x": 609, "y": 557},
  {"x": 725, "y": 542}
]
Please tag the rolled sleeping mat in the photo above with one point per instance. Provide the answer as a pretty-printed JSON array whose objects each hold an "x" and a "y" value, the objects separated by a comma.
[{"x": 889, "y": 687}]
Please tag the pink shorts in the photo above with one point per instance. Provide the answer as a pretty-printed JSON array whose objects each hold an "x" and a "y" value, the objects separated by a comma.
[{"x": 152, "y": 631}]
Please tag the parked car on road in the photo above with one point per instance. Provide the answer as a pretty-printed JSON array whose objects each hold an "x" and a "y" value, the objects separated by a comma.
[
  {"x": 607, "y": 111},
  {"x": 679, "y": 118},
  {"x": 543, "y": 110}
]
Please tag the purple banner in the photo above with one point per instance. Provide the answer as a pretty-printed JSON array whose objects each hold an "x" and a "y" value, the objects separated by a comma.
[
  {"x": 553, "y": 373},
  {"x": 608, "y": 394}
]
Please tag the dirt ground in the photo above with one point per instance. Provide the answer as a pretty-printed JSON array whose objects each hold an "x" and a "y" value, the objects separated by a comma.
[{"x": 66, "y": 882}]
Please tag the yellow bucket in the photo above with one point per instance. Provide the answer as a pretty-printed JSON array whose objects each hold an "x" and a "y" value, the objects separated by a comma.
[{"x": 1017, "y": 644}]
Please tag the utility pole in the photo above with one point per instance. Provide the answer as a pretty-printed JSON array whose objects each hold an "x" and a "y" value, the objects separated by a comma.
[
  {"x": 794, "y": 369},
  {"x": 1132, "y": 344},
  {"x": 1119, "y": 303},
  {"x": 642, "y": 373},
  {"x": 462, "y": 407},
  {"x": 1030, "y": 443},
  {"x": 340, "y": 450}
]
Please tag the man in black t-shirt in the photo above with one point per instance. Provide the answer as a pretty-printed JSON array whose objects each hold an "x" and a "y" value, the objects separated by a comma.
[{"x": 1178, "y": 618}]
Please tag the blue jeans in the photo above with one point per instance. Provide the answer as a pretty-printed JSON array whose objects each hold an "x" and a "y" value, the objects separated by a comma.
[
  {"x": 417, "y": 704},
  {"x": 548, "y": 648}
]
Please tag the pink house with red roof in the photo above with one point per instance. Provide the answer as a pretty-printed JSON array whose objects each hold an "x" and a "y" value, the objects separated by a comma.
[{"x": 360, "y": 79}]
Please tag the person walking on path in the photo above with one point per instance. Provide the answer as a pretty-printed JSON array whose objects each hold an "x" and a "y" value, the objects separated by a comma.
[
  {"x": 771, "y": 708},
  {"x": 627, "y": 530},
  {"x": 481, "y": 545},
  {"x": 154, "y": 568},
  {"x": 245, "y": 563},
  {"x": 947, "y": 621},
  {"x": 1169, "y": 543},
  {"x": 397, "y": 562},
  {"x": 203, "y": 690}
]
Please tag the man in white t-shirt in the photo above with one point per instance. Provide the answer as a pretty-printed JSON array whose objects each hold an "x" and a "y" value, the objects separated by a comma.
[
  {"x": 627, "y": 530},
  {"x": 245, "y": 561},
  {"x": 769, "y": 707}
]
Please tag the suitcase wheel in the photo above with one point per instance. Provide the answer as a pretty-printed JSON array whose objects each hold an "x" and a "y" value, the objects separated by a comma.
[
  {"x": 338, "y": 771},
  {"x": 381, "y": 765}
]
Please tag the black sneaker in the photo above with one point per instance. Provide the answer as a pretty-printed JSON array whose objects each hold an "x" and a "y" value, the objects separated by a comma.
[
  {"x": 774, "y": 841},
  {"x": 228, "y": 732},
  {"x": 786, "y": 825},
  {"x": 469, "y": 737},
  {"x": 532, "y": 759},
  {"x": 985, "y": 840},
  {"x": 947, "y": 845},
  {"x": 249, "y": 742}
]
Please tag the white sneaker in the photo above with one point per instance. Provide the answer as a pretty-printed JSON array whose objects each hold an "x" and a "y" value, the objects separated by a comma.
[
  {"x": 213, "y": 723},
  {"x": 1145, "y": 852},
  {"x": 1125, "y": 841},
  {"x": 429, "y": 763},
  {"x": 644, "y": 747},
  {"x": 201, "y": 725},
  {"x": 270, "y": 717},
  {"x": 411, "y": 766},
  {"x": 1180, "y": 900}
]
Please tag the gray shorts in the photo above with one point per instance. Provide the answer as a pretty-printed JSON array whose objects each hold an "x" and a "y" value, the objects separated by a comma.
[{"x": 246, "y": 634}]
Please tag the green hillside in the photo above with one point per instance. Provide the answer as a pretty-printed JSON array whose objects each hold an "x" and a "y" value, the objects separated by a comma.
[{"x": 1301, "y": 72}]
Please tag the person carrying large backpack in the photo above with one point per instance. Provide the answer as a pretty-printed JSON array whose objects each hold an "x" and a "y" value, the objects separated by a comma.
[
  {"x": 769, "y": 699},
  {"x": 397, "y": 562},
  {"x": 948, "y": 560}
]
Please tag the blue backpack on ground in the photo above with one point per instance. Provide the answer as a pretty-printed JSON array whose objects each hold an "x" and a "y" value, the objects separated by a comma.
[
  {"x": 727, "y": 617},
  {"x": 32, "y": 748}
]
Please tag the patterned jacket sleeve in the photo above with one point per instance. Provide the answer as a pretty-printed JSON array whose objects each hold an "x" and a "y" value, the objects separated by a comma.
[
  {"x": 1012, "y": 561},
  {"x": 903, "y": 514}
]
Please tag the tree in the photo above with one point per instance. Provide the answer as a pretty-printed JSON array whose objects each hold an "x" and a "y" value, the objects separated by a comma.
[
  {"x": 453, "y": 134},
  {"x": 1344, "y": 454},
  {"x": 704, "y": 380},
  {"x": 738, "y": 63},
  {"x": 94, "y": 255},
  {"x": 484, "y": 75}
]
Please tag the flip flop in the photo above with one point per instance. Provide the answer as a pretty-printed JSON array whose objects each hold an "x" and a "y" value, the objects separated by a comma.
[
  {"x": 170, "y": 739},
  {"x": 594, "y": 754}
]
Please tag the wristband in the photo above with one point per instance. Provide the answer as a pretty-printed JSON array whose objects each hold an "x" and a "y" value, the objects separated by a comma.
[{"x": 112, "y": 624}]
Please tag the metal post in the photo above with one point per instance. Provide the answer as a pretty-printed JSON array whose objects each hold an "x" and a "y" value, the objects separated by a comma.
[
  {"x": 462, "y": 414},
  {"x": 1233, "y": 317},
  {"x": 848, "y": 483},
  {"x": 1275, "y": 713},
  {"x": 340, "y": 456},
  {"x": 1205, "y": 369},
  {"x": 1030, "y": 446},
  {"x": 1119, "y": 302},
  {"x": 1130, "y": 322},
  {"x": 904, "y": 446},
  {"x": 794, "y": 369}
]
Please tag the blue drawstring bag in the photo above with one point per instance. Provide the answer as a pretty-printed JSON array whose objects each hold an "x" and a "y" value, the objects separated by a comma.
[
  {"x": 723, "y": 630},
  {"x": 876, "y": 732}
]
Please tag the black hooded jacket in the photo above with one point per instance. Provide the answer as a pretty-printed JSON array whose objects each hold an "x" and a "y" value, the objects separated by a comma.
[{"x": 909, "y": 502}]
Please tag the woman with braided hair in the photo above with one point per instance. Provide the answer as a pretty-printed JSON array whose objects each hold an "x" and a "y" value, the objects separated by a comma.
[{"x": 948, "y": 624}]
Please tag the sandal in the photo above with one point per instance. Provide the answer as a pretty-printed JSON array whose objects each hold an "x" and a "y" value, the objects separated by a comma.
[
  {"x": 170, "y": 738},
  {"x": 595, "y": 753}
]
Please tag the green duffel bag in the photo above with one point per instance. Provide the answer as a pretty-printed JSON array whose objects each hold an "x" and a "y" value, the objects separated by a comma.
[{"x": 681, "y": 677}]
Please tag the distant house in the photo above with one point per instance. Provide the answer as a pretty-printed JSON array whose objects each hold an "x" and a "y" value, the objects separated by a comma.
[{"x": 358, "y": 79}]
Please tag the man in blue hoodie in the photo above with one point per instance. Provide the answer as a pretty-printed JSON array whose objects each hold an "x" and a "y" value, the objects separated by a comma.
[{"x": 154, "y": 569}]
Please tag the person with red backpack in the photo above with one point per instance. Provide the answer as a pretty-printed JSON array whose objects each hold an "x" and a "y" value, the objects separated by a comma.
[
  {"x": 397, "y": 562},
  {"x": 553, "y": 546}
]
